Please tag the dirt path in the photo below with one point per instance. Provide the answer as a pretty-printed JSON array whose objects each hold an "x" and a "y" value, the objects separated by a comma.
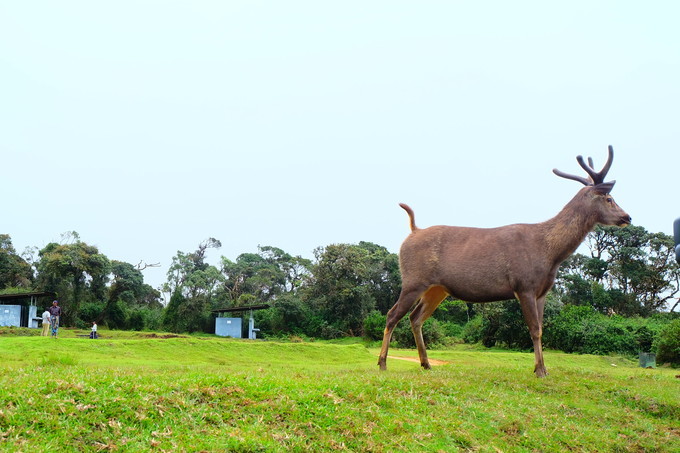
[{"x": 433, "y": 362}]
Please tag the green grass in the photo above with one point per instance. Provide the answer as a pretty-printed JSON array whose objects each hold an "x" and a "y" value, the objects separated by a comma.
[{"x": 134, "y": 393}]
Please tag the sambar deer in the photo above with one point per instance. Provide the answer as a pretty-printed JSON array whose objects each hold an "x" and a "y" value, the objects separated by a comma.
[{"x": 492, "y": 264}]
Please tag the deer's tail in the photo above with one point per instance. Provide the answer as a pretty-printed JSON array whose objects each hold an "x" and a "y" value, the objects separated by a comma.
[{"x": 411, "y": 215}]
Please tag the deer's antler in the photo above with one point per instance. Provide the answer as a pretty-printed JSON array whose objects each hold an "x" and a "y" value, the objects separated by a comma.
[{"x": 594, "y": 177}]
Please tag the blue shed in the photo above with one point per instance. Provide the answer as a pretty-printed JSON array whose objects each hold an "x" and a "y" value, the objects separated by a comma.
[
  {"x": 21, "y": 309},
  {"x": 233, "y": 327}
]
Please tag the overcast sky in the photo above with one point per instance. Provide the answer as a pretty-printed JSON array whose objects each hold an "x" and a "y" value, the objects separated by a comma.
[{"x": 149, "y": 126}]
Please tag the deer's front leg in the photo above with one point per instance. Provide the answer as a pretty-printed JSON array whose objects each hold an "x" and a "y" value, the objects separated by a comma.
[{"x": 533, "y": 316}]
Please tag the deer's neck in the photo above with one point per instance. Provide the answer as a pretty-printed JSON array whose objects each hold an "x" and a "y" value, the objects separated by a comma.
[{"x": 567, "y": 230}]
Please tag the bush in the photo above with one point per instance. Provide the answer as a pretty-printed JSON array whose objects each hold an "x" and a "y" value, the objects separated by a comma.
[
  {"x": 432, "y": 333},
  {"x": 115, "y": 315},
  {"x": 644, "y": 336},
  {"x": 667, "y": 344},
  {"x": 187, "y": 314},
  {"x": 603, "y": 336},
  {"x": 89, "y": 312},
  {"x": 455, "y": 311},
  {"x": 570, "y": 328},
  {"x": 289, "y": 315},
  {"x": 581, "y": 329},
  {"x": 498, "y": 323},
  {"x": 374, "y": 326},
  {"x": 512, "y": 330},
  {"x": 452, "y": 330},
  {"x": 473, "y": 331},
  {"x": 565, "y": 330},
  {"x": 136, "y": 320},
  {"x": 153, "y": 318}
]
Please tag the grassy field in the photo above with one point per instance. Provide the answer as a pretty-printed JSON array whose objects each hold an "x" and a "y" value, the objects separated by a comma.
[{"x": 128, "y": 392}]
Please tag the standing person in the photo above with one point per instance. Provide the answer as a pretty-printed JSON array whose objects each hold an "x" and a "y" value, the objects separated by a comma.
[
  {"x": 93, "y": 334},
  {"x": 55, "y": 314},
  {"x": 46, "y": 323}
]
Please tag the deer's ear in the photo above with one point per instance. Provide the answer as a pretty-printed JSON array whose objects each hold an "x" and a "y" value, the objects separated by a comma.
[{"x": 604, "y": 188}]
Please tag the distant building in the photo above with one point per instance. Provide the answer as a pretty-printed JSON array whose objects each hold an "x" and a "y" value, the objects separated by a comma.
[
  {"x": 233, "y": 327},
  {"x": 21, "y": 309}
]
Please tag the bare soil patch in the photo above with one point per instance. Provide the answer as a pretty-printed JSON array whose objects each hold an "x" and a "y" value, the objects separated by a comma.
[{"x": 433, "y": 362}]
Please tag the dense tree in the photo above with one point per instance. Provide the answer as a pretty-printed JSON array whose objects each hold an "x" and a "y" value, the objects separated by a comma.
[
  {"x": 252, "y": 276},
  {"x": 294, "y": 268},
  {"x": 289, "y": 315},
  {"x": 127, "y": 283},
  {"x": 15, "y": 271},
  {"x": 76, "y": 271},
  {"x": 328, "y": 298},
  {"x": 263, "y": 276},
  {"x": 173, "y": 318},
  {"x": 193, "y": 283},
  {"x": 641, "y": 264},
  {"x": 630, "y": 271},
  {"x": 128, "y": 294},
  {"x": 341, "y": 287},
  {"x": 384, "y": 278}
]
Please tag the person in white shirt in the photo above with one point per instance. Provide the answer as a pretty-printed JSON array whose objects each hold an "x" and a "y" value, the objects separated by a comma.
[
  {"x": 93, "y": 334},
  {"x": 45, "y": 323}
]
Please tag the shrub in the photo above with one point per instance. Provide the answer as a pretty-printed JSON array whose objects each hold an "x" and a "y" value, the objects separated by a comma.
[
  {"x": 667, "y": 343},
  {"x": 291, "y": 315},
  {"x": 374, "y": 325},
  {"x": 644, "y": 337},
  {"x": 153, "y": 318},
  {"x": 570, "y": 328},
  {"x": 502, "y": 323},
  {"x": 455, "y": 311},
  {"x": 511, "y": 329},
  {"x": 565, "y": 330},
  {"x": 434, "y": 331},
  {"x": 581, "y": 329},
  {"x": 89, "y": 312},
  {"x": 136, "y": 320},
  {"x": 403, "y": 336},
  {"x": 115, "y": 315},
  {"x": 452, "y": 330},
  {"x": 474, "y": 330},
  {"x": 498, "y": 323},
  {"x": 603, "y": 336}
]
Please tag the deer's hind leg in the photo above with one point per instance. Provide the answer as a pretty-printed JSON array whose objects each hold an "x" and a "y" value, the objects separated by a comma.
[
  {"x": 427, "y": 305},
  {"x": 407, "y": 298}
]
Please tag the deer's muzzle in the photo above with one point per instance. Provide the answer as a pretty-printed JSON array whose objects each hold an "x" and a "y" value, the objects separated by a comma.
[{"x": 625, "y": 220}]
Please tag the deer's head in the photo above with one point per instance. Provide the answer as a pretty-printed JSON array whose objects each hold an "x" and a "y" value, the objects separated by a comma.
[{"x": 596, "y": 195}]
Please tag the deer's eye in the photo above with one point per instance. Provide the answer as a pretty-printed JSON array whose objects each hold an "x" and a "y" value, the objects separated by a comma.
[{"x": 610, "y": 199}]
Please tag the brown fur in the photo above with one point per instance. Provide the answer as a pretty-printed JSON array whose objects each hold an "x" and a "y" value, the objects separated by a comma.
[{"x": 490, "y": 264}]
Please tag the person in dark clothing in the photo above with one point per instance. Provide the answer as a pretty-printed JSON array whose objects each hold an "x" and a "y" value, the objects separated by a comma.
[{"x": 55, "y": 314}]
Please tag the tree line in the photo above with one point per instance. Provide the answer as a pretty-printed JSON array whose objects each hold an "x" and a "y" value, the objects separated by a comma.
[{"x": 345, "y": 290}]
